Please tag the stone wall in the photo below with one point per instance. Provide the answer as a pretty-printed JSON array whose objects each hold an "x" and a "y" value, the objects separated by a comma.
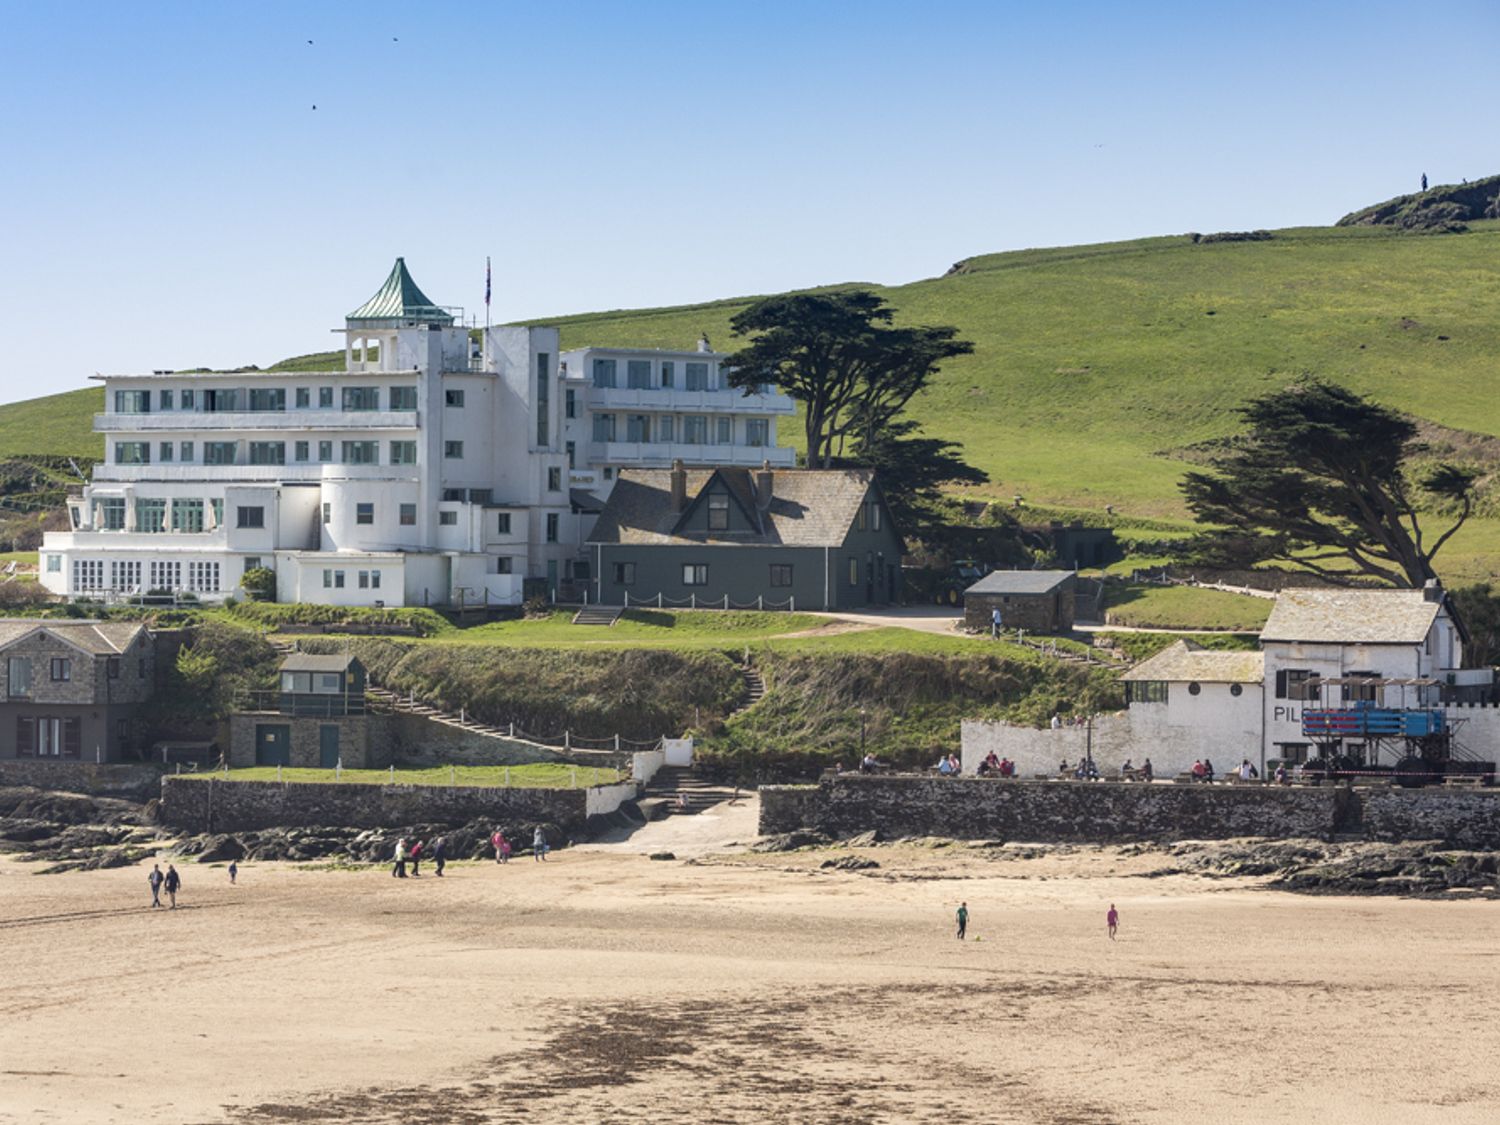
[
  {"x": 1465, "y": 818},
  {"x": 1036, "y": 613},
  {"x": 416, "y": 741},
  {"x": 355, "y": 741},
  {"x": 207, "y": 805},
  {"x": 986, "y": 808},
  {"x": 132, "y": 781}
]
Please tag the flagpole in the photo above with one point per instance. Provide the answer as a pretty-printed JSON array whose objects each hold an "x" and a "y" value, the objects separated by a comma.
[{"x": 486, "y": 293}]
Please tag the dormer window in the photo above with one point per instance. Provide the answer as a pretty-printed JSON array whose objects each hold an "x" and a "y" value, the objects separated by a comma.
[{"x": 718, "y": 511}]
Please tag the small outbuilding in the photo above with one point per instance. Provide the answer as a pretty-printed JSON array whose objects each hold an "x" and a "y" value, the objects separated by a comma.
[
  {"x": 1039, "y": 601},
  {"x": 316, "y": 717}
]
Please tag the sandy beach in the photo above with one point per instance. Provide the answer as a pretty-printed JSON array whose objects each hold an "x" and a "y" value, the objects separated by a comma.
[{"x": 604, "y": 986}]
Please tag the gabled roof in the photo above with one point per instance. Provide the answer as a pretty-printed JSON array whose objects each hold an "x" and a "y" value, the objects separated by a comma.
[
  {"x": 1021, "y": 582},
  {"x": 807, "y": 507},
  {"x": 1348, "y": 616},
  {"x": 1186, "y": 661},
  {"x": 312, "y": 662},
  {"x": 95, "y": 638},
  {"x": 398, "y": 302}
]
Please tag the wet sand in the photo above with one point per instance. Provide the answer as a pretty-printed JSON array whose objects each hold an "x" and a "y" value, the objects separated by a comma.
[{"x": 603, "y": 986}]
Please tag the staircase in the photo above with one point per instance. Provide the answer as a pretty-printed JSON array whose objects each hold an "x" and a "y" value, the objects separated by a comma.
[
  {"x": 681, "y": 792},
  {"x": 755, "y": 687},
  {"x": 605, "y": 615}
]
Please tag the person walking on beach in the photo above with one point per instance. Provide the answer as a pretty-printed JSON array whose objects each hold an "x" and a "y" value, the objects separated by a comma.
[
  {"x": 963, "y": 919},
  {"x": 498, "y": 842},
  {"x": 416, "y": 858},
  {"x": 1113, "y": 920},
  {"x": 439, "y": 854},
  {"x": 172, "y": 882},
  {"x": 504, "y": 850},
  {"x": 539, "y": 845},
  {"x": 154, "y": 881},
  {"x": 398, "y": 869},
  {"x": 234, "y": 871}
]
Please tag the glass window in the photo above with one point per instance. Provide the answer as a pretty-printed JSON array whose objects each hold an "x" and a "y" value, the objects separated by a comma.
[
  {"x": 301, "y": 451},
  {"x": 221, "y": 401},
  {"x": 132, "y": 402},
  {"x": 638, "y": 374},
  {"x": 453, "y": 398},
  {"x": 54, "y": 564},
  {"x": 325, "y": 451},
  {"x": 304, "y": 398},
  {"x": 1146, "y": 691},
  {"x": 604, "y": 373},
  {"x": 757, "y": 431},
  {"x": 165, "y": 398},
  {"x": 361, "y": 398},
  {"x": 187, "y": 515},
  {"x": 543, "y": 400},
  {"x": 364, "y": 513},
  {"x": 695, "y": 574},
  {"x": 268, "y": 453},
  {"x": 781, "y": 574},
  {"x": 725, "y": 434},
  {"x": 374, "y": 579},
  {"x": 502, "y": 523},
  {"x": 361, "y": 452},
  {"x": 668, "y": 373},
  {"x": 185, "y": 451},
  {"x": 456, "y": 494},
  {"x": 19, "y": 685},
  {"x": 571, "y": 448},
  {"x": 570, "y": 403},
  {"x": 62, "y": 668},
  {"x": 327, "y": 511},
  {"x": 150, "y": 515},
  {"x": 252, "y": 562},
  {"x": 219, "y": 452},
  {"x": 408, "y": 515},
  {"x": 453, "y": 449},
  {"x": 552, "y": 522},
  {"x": 854, "y": 572},
  {"x": 364, "y": 579},
  {"x": 718, "y": 511},
  {"x": 695, "y": 429},
  {"x": 554, "y": 478},
  {"x": 502, "y": 564},
  {"x": 448, "y": 519},
  {"x": 637, "y": 427},
  {"x": 624, "y": 573},
  {"x": 112, "y": 514},
  {"x": 604, "y": 427},
  {"x": 250, "y": 516},
  {"x": 166, "y": 575},
  {"x": 403, "y": 398},
  {"x": 697, "y": 376},
  {"x": 132, "y": 453},
  {"x": 664, "y": 428},
  {"x": 267, "y": 399},
  {"x": 403, "y": 453},
  {"x": 186, "y": 398},
  {"x": 325, "y": 398},
  {"x": 165, "y": 450}
]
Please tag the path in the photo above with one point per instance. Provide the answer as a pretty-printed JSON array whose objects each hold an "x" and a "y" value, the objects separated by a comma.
[{"x": 728, "y": 826}]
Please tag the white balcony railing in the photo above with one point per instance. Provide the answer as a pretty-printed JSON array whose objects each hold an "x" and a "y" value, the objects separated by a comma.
[
  {"x": 664, "y": 453},
  {"x": 674, "y": 399},
  {"x": 224, "y": 474},
  {"x": 192, "y": 421}
]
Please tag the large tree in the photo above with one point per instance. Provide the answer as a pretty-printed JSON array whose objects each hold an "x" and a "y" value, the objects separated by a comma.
[
  {"x": 842, "y": 358},
  {"x": 912, "y": 471},
  {"x": 1326, "y": 480}
]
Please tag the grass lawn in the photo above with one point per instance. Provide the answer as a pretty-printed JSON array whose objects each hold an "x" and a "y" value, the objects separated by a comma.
[
  {"x": 639, "y": 628},
  {"x": 545, "y": 775},
  {"x": 1184, "y": 607},
  {"x": 24, "y": 558}
]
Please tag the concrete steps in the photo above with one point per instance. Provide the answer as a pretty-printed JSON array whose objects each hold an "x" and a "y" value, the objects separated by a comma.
[
  {"x": 605, "y": 615},
  {"x": 678, "y": 791}
]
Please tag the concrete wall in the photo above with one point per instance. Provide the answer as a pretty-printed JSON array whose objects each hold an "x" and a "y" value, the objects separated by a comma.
[
  {"x": 982, "y": 808},
  {"x": 645, "y": 763},
  {"x": 604, "y": 799},
  {"x": 135, "y": 782},
  {"x": 206, "y": 805},
  {"x": 1464, "y": 818}
]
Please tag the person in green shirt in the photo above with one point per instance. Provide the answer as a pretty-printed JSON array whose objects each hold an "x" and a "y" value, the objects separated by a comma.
[{"x": 963, "y": 919}]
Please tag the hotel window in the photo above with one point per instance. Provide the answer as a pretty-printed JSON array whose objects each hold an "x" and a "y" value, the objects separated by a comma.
[
  {"x": 304, "y": 398},
  {"x": 218, "y": 452},
  {"x": 757, "y": 431},
  {"x": 218, "y": 509},
  {"x": 695, "y": 574},
  {"x": 361, "y": 452},
  {"x": 325, "y": 451},
  {"x": 54, "y": 564},
  {"x": 166, "y": 575},
  {"x": 554, "y": 478},
  {"x": 718, "y": 511},
  {"x": 333, "y": 580},
  {"x": 88, "y": 574},
  {"x": 361, "y": 398},
  {"x": 187, "y": 515},
  {"x": 638, "y": 374},
  {"x": 220, "y": 402},
  {"x": 453, "y": 398},
  {"x": 552, "y": 524},
  {"x": 301, "y": 451},
  {"x": 187, "y": 399},
  {"x": 125, "y": 575},
  {"x": 668, "y": 373},
  {"x": 325, "y": 398},
  {"x": 481, "y": 495},
  {"x": 112, "y": 515},
  {"x": 252, "y": 562},
  {"x": 604, "y": 427},
  {"x": 455, "y": 495},
  {"x": 571, "y": 448},
  {"x": 448, "y": 519},
  {"x": 132, "y": 402},
  {"x": 543, "y": 401},
  {"x": 403, "y": 453},
  {"x": 165, "y": 399},
  {"x": 502, "y": 564},
  {"x": 62, "y": 669},
  {"x": 364, "y": 513},
  {"x": 637, "y": 427},
  {"x": 164, "y": 451},
  {"x": 203, "y": 577},
  {"x": 132, "y": 453},
  {"x": 781, "y": 574},
  {"x": 267, "y": 399},
  {"x": 502, "y": 524},
  {"x": 268, "y": 453},
  {"x": 364, "y": 579},
  {"x": 624, "y": 573},
  {"x": 725, "y": 435},
  {"x": 250, "y": 516},
  {"x": 327, "y": 512},
  {"x": 454, "y": 450},
  {"x": 664, "y": 428},
  {"x": 604, "y": 373},
  {"x": 408, "y": 515},
  {"x": 695, "y": 429},
  {"x": 185, "y": 451},
  {"x": 570, "y": 403},
  {"x": 403, "y": 398},
  {"x": 697, "y": 376}
]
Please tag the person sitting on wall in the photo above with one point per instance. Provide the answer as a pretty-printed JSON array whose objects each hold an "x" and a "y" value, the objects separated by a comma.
[
  {"x": 1198, "y": 772},
  {"x": 944, "y": 767},
  {"x": 868, "y": 764},
  {"x": 1208, "y": 770},
  {"x": 1062, "y": 766},
  {"x": 1127, "y": 771},
  {"x": 983, "y": 769},
  {"x": 1281, "y": 776},
  {"x": 1247, "y": 771},
  {"x": 993, "y": 763},
  {"x": 1007, "y": 768},
  {"x": 1146, "y": 771}
]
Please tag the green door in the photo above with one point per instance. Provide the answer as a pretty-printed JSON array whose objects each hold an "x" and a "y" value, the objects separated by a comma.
[
  {"x": 328, "y": 746},
  {"x": 273, "y": 744}
]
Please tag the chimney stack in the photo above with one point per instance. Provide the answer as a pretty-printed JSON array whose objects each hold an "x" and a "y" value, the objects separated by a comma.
[
  {"x": 1432, "y": 591},
  {"x": 763, "y": 485},
  {"x": 703, "y": 345},
  {"x": 679, "y": 485}
]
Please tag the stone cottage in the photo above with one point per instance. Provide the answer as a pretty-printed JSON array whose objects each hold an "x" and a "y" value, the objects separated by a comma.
[{"x": 1039, "y": 601}]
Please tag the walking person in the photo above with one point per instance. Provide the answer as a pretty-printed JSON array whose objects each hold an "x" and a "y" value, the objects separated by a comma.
[
  {"x": 963, "y": 919},
  {"x": 416, "y": 858},
  {"x": 539, "y": 845},
  {"x": 172, "y": 883},
  {"x": 995, "y": 624},
  {"x": 234, "y": 871},
  {"x": 439, "y": 854},
  {"x": 504, "y": 850},
  {"x": 154, "y": 881},
  {"x": 497, "y": 841},
  {"x": 398, "y": 869},
  {"x": 1113, "y": 921}
]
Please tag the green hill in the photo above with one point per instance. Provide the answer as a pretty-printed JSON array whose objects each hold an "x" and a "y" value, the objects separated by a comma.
[
  {"x": 1098, "y": 368},
  {"x": 61, "y": 425}
]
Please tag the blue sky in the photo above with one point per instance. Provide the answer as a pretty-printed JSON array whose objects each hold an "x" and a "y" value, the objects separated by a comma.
[{"x": 170, "y": 198}]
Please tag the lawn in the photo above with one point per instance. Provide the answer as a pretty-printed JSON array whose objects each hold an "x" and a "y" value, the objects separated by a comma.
[
  {"x": 1184, "y": 607},
  {"x": 545, "y": 775},
  {"x": 639, "y": 628}
]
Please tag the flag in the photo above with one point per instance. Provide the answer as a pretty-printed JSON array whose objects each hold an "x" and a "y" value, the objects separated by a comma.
[{"x": 486, "y": 283}]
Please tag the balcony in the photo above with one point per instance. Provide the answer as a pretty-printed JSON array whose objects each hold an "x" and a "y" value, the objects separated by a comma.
[
  {"x": 197, "y": 421},
  {"x": 662, "y": 454},
  {"x": 688, "y": 402},
  {"x": 222, "y": 474}
]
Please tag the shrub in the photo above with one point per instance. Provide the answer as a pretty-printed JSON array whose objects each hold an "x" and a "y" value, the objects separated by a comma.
[{"x": 259, "y": 584}]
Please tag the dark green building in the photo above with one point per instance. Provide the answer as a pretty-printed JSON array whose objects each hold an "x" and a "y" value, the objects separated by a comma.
[{"x": 782, "y": 538}]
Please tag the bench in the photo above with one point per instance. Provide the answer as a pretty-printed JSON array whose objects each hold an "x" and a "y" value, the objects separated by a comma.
[{"x": 1462, "y": 782}]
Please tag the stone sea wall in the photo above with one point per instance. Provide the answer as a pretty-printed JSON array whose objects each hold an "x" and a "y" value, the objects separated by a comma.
[
  {"x": 1464, "y": 818},
  {"x": 136, "y": 782}
]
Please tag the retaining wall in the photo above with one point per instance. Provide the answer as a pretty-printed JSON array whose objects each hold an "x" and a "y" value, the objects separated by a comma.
[
  {"x": 1464, "y": 818},
  {"x": 117, "y": 779}
]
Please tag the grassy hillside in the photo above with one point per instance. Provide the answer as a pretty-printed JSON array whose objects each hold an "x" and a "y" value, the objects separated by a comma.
[
  {"x": 1097, "y": 367},
  {"x": 58, "y": 424}
]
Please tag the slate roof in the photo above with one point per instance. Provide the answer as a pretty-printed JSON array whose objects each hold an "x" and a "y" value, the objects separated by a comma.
[
  {"x": 98, "y": 638},
  {"x": 311, "y": 662},
  {"x": 1020, "y": 582},
  {"x": 1185, "y": 661},
  {"x": 1345, "y": 616},
  {"x": 808, "y": 507},
  {"x": 398, "y": 301}
]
